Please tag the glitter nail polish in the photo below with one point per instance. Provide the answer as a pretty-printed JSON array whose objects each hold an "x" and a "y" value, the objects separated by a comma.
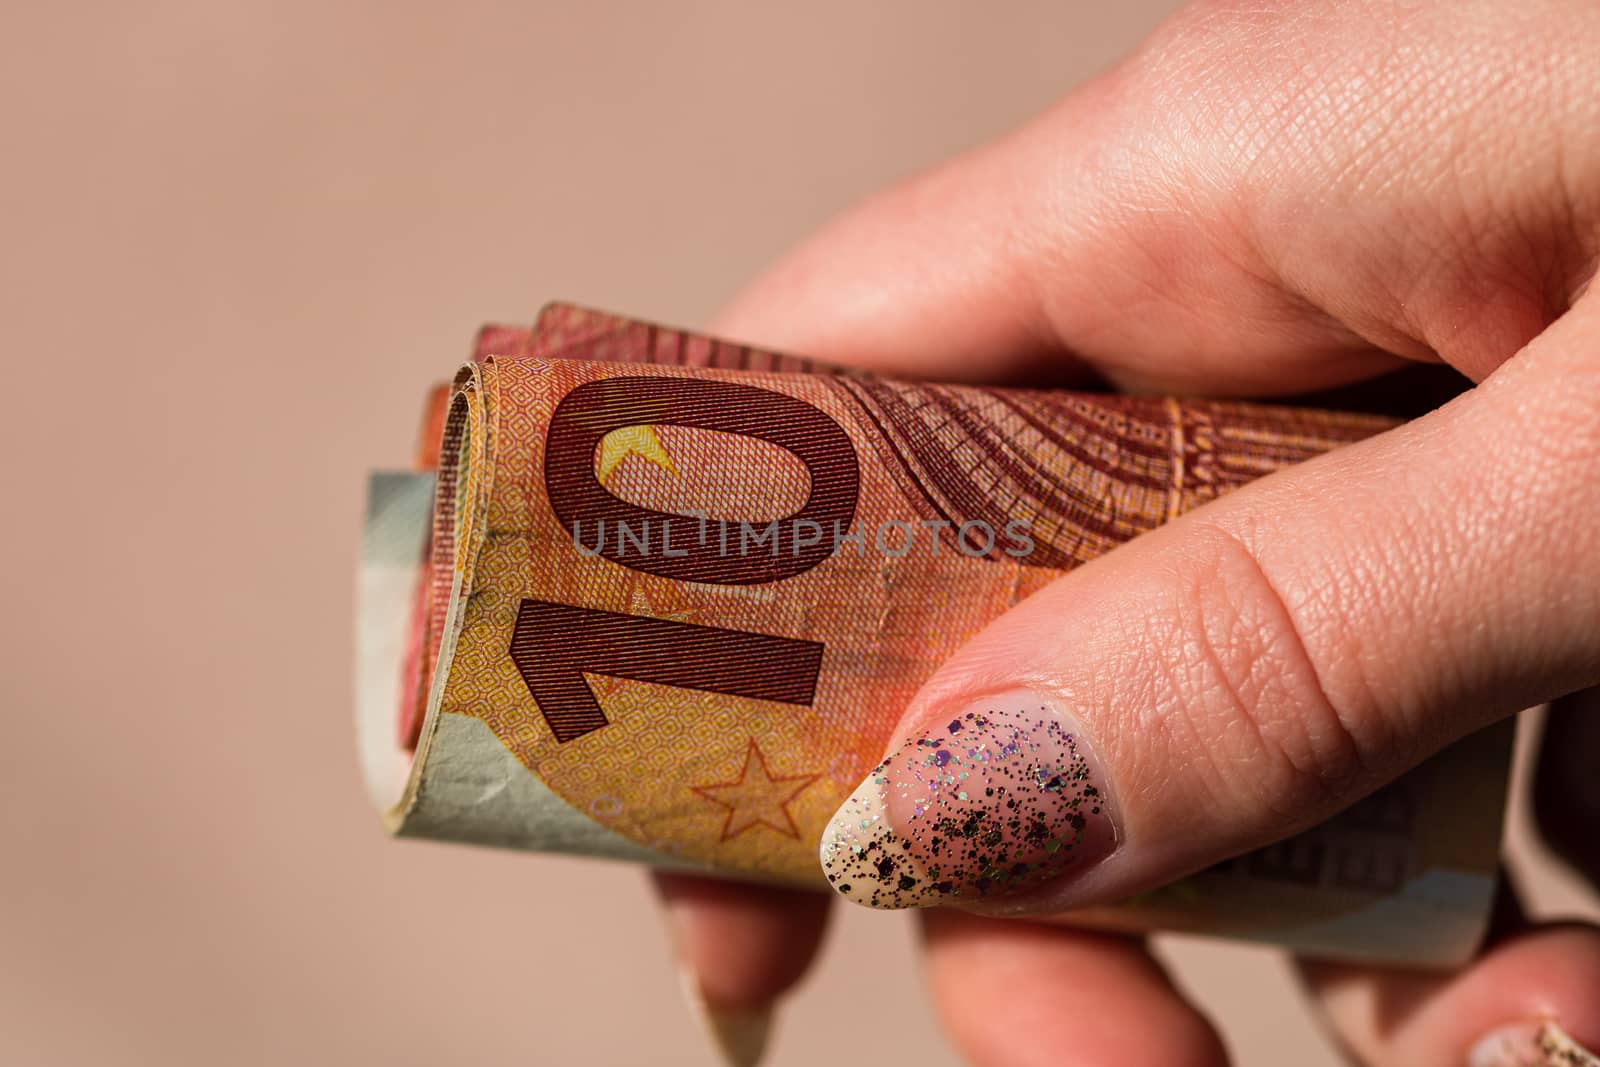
[
  {"x": 1530, "y": 1044},
  {"x": 998, "y": 799}
]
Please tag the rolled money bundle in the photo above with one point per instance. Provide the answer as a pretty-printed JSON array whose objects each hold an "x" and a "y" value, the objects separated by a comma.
[{"x": 666, "y": 596}]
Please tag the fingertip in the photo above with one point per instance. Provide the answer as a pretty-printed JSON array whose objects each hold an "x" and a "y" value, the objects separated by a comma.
[
  {"x": 1498, "y": 1011},
  {"x": 739, "y": 1035},
  {"x": 986, "y": 802},
  {"x": 745, "y": 945},
  {"x": 1022, "y": 994}
]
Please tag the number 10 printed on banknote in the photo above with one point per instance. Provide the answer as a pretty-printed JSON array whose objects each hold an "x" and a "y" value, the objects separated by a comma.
[{"x": 655, "y": 597}]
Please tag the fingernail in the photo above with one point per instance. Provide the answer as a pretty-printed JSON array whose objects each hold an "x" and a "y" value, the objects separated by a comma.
[
  {"x": 738, "y": 1034},
  {"x": 998, "y": 799},
  {"x": 1531, "y": 1044}
]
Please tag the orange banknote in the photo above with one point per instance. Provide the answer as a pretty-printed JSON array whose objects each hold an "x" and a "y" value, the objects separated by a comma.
[{"x": 666, "y": 597}]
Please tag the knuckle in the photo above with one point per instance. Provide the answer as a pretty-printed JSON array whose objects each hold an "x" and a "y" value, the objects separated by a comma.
[{"x": 1239, "y": 679}]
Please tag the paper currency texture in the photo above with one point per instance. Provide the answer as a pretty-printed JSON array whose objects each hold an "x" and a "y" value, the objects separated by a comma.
[{"x": 666, "y": 597}]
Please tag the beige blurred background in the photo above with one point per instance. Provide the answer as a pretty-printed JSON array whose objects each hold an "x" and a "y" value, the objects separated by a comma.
[{"x": 239, "y": 241}]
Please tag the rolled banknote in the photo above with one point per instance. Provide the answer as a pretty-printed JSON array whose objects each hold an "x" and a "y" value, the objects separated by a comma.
[{"x": 661, "y": 598}]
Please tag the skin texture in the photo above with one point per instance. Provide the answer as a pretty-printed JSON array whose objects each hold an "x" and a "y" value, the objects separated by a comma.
[{"x": 1266, "y": 200}]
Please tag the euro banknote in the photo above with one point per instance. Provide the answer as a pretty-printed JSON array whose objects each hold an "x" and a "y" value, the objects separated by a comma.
[{"x": 657, "y": 597}]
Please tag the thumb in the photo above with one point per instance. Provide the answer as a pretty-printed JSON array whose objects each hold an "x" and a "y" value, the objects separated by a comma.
[{"x": 1249, "y": 669}]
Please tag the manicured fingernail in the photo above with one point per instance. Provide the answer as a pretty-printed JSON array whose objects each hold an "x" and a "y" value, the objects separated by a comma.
[
  {"x": 997, "y": 799},
  {"x": 738, "y": 1034},
  {"x": 1531, "y": 1044}
]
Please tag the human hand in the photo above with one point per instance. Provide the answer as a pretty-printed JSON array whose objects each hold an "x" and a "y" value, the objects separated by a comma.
[{"x": 1267, "y": 199}]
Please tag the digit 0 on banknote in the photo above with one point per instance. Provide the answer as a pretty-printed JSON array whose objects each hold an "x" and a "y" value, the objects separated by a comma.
[{"x": 666, "y": 596}]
